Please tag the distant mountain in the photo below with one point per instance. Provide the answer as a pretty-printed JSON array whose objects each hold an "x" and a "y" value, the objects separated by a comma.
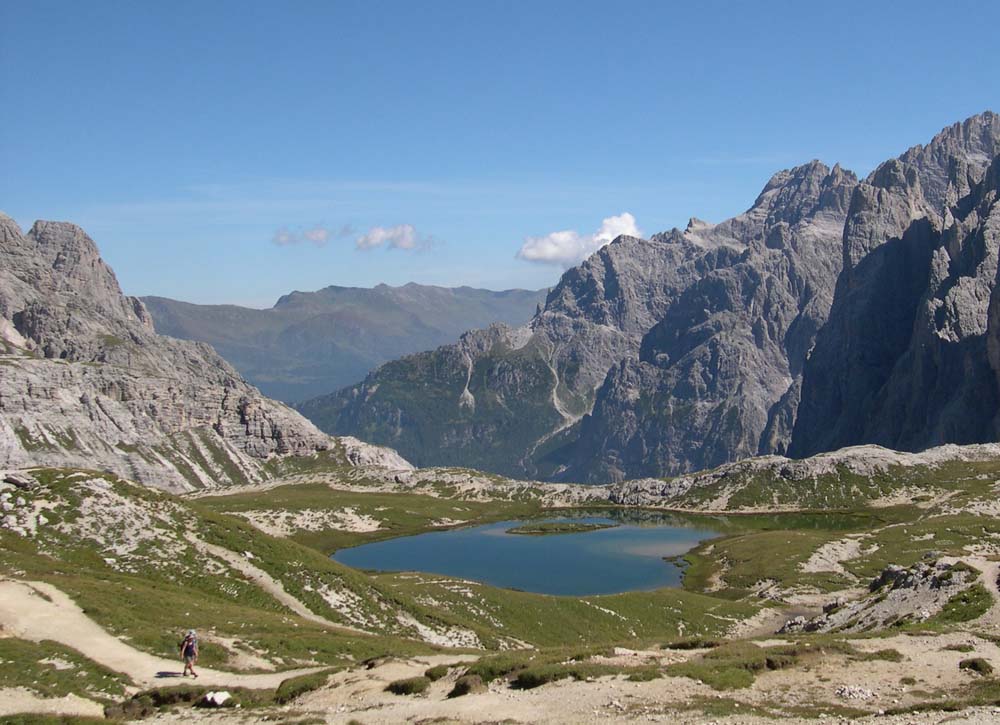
[
  {"x": 835, "y": 311},
  {"x": 312, "y": 343}
]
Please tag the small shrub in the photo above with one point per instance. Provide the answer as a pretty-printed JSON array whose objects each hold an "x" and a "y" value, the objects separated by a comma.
[
  {"x": 960, "y": 648},
  {"x": 977, "y": 665},
  {"x": 409, "y": 686},
  {"x": 884, "y": 655},
  {"x": 907, "y": 680},
  {"x": 536, "y": 677},
  {"x": 467, "y": 685},
  {"x": 294, "y": 687},
  {"x": 779, "y": 661},
  {"x": 693, "y": 643},
  {"x": 644, "y": 675},
  {"x": 183, "y": 695},
  {"x": 501, "y": 665},
  {"x": 731, "y": 666},
  {"x": 436, "y": 673}
]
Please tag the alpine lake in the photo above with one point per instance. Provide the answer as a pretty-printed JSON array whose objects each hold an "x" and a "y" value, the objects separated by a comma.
[{"x": 573, "y": 553}]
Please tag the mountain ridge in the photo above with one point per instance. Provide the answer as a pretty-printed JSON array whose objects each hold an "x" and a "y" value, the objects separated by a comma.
[
  {"x": 310, "y": 343},
  {"x": 687, "y": 351}
]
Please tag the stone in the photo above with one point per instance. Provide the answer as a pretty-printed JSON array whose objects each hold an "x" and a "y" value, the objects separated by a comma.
[
  {"x": 216, "y": 699},
  {"x": 20, "y": 480},
  {"x": 905, "y": 359}
]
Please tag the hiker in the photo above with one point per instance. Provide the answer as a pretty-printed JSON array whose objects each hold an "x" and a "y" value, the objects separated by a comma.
[{"x": 189, "y": 652}]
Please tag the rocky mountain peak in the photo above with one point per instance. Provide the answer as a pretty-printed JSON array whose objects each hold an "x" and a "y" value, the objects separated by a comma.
[
  {"x": 695, "y": 347},
  {"x": 75, "y": 263},
  {"x": 955, "y": 158},
  {"x": 9, "y": 230},
  {"x": 794, "y": 194},
  {"x": 695, "y": 225},
  {"x": 62, "y": 298},
  {"x": 87, "y": 382},
  {"x": 905, "y": 358}
]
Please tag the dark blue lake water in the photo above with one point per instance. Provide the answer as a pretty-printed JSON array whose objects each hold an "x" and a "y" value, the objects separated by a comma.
[{"x": 629, "y": 557}]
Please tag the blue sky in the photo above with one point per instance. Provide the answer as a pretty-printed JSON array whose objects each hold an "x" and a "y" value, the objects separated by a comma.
[{"x": 234, "y": 151}]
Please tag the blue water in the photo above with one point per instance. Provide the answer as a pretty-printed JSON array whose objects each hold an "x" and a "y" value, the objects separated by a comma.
[{"x": 629, "y": 557}]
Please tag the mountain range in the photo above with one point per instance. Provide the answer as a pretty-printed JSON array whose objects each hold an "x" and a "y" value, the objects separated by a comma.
[
  {"x": 311, "y": 343},
  {"x": 834, "y": 311}
]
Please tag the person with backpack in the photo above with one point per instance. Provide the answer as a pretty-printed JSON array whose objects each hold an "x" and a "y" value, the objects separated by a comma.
[{"x": 189, "y": 653}]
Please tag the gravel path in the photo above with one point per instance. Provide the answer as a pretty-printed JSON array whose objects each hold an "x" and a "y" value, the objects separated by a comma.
[{"x": 38, "y": 611}]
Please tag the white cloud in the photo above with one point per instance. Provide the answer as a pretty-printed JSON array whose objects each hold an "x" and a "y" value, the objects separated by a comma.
[
  {"x": 317, "y": 235},
  {"x": 283, "y": 238},
  {"x": 401, "y": 236},
  {"x": 569, "y": 247}
]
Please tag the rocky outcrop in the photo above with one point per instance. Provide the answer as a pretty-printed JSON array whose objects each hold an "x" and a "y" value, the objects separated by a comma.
[
  {"x": 899, "y": 595},
  {"x": 903, "y": 361},
  {"x": 843, "y": 479},
  {"x": 717, "y": 378},
  {"x": 87, "y": 382}
]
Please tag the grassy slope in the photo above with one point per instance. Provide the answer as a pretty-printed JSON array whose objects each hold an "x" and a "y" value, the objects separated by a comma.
[
  {"x": 149, "y": 598},
  {"x": 513, "y": 409},
  {"x": 52, "y": 670},
  {"x": 150, "y": 602}
]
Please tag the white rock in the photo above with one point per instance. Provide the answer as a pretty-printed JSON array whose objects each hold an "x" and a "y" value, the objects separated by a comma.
[{"x": 216, "y": 699}]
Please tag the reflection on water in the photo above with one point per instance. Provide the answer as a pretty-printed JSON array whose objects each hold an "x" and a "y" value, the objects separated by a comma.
[{"x": 627, "y": 557}]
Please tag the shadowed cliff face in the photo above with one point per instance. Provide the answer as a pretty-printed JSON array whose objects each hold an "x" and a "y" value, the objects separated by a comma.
[
  {"x": 717, "y": 377},
  {"x": 87, "y": 382},
  {"x": 806, "y": 323},
  {"x": 903, "y": 361},
  {"x": 498, "y": 396}
]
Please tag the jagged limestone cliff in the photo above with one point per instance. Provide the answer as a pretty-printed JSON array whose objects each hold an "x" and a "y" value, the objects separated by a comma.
[
  {"x": 903, "y": 361},
  {"x": 661, "y": 356},
  {"x": 718, "y": 377},
  {"x": 85, "y": 381}
]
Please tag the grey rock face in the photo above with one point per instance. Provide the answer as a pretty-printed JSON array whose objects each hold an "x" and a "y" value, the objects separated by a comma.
[
  {"x": 897, "y": 595},
  {"x": 833, "y": 312},
  {"x": 903, "y": 360},
  {"x": 717, "y": 378},
  {"x": 87, "y": 382},
  {"x": 500, "y": 397}
]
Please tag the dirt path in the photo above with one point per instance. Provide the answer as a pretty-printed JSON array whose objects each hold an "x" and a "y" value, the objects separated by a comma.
[
  {"x": 18, "y": 700},
  {"x": 38, "y": 611},
  {"x": 991, "y": 572},
  {"x": 266, "y": 582},
  {"x": 359, "y": 696}
]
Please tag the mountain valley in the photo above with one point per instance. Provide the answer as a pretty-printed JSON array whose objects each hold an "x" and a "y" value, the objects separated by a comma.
[
  {"x": 311, "y": 343},
  {"x": 746, "y": 383}
]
